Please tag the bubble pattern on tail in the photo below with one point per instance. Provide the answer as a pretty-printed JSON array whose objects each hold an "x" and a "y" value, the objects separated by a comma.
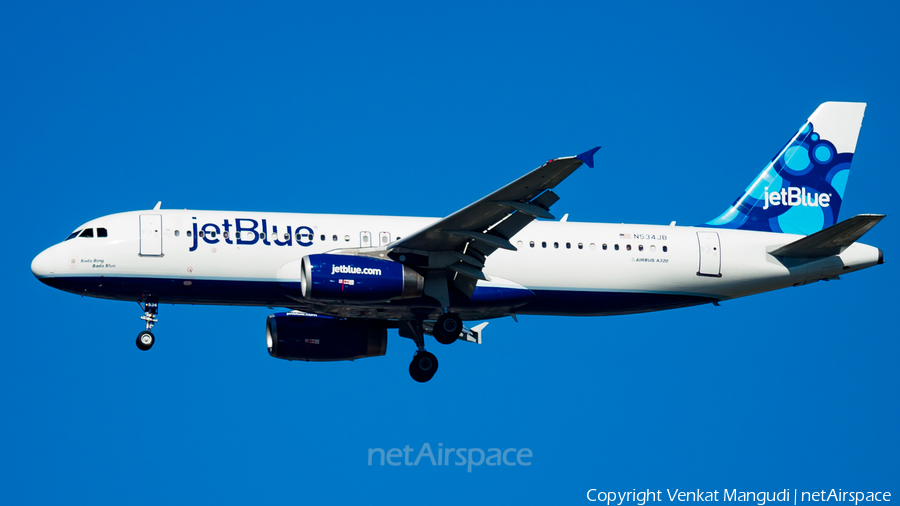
[{"x": 798, "y": 192}]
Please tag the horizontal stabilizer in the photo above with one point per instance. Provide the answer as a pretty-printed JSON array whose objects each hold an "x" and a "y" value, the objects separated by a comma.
[{"x": 831, "y": 241}]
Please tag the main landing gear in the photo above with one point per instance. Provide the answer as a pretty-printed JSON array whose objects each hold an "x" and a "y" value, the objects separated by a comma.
[
  {"x": 424, "y": 364},
  {"x": 446, "y": 330},
  {"x": 145, "y": 339}
]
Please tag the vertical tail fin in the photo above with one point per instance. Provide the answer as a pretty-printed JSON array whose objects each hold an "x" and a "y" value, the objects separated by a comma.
[{"x": 801, "y": 190}]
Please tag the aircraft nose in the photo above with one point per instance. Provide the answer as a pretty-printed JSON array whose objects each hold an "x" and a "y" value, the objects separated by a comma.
[{"x": 43, "y": 265}]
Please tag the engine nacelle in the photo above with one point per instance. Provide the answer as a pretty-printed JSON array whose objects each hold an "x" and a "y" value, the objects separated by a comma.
[
  {"x": 357, "y": 278},
  {"x": 315, "y": 338}
]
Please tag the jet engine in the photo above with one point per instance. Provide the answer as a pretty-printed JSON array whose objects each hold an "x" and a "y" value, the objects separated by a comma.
[
  {"x": 357, "y": 278},
  {"x": 316, "y": 338}
]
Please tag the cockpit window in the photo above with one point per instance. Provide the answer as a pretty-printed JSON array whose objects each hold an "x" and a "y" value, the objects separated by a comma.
[
  {"x": 88, "y": 232},
  {"x": 74, "y": 234},
  {"x": 101, "y": 232}
]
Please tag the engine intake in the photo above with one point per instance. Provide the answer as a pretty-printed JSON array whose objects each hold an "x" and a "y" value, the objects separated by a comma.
[
  {"x": 315, "y": 338},
  {"x": 357, "y": 278}
]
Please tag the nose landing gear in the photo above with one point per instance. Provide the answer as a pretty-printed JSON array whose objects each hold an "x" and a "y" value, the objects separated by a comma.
[{"x": 146, "y": 339}]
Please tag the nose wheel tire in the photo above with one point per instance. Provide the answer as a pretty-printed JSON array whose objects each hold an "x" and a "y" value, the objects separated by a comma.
[
  {"x": 447, "y": 328},
  {"x": 145, "y": 340},
  {"x": 423, "y": 366}
]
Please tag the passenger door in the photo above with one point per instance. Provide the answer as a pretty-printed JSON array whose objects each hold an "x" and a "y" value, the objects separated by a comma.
[
  {"x": 710, "y": 254},
  {"x": 151, "y": 235}
]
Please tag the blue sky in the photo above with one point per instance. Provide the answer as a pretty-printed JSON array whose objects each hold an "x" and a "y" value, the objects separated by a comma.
[{"x": 419, "y": 109}]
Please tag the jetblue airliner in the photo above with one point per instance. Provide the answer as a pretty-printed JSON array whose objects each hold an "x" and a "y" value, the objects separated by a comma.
[{"x": 346, "y": 280}]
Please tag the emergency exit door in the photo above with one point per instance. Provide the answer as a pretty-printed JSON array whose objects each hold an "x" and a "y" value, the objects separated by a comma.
[
  {"x": 365, "y": 239},
  {"x": 710, "y": 254},
  {"x": 151, "y": 235}
]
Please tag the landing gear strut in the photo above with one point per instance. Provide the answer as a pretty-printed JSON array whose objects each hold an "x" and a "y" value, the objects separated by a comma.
[
  {"x": 424, "y": 364},
  {"x": 146, "y": 339}
]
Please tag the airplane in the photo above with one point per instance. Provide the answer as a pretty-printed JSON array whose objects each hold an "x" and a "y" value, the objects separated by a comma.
[{"x": 345, "y": 280}]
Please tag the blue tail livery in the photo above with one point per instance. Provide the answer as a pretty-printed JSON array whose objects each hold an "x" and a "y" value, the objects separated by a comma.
[{"x": 801, "y": 190}]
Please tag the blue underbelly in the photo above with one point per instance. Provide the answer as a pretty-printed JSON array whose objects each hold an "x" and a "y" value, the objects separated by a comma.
[{"x": 271, "y": 293}]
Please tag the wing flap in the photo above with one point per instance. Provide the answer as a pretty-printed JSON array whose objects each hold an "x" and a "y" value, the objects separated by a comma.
[{"x": 529, "y": 209}]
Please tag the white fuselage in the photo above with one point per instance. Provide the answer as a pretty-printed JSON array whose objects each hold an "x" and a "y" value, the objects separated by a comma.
[{"x": 573, "y": 268}]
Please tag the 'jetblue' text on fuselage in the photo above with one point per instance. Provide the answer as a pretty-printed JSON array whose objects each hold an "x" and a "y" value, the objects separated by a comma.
[{"x": 247, "y": 231}]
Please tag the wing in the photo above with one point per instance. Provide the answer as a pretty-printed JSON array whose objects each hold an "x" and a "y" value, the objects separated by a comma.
[{"x": 456, "y": 247}]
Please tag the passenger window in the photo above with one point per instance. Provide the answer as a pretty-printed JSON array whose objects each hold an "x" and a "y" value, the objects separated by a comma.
[
  {"x": 519, "y": 244},
  {"x": 640, "y": 247},
  {"x": 398, "y": 237},
  {"x": 287, "y": 236},
  {"x": 665, "y": 249},
  {"x": 101, "y": 232},
  {"x": 73, "y": 234},
  {"x": 200, "y": 233},
  {"x": 88, "y": 232},
  {"x": 531, "y": 244},
  {"x": 224, "y": 234},
  {"x": 321, "y": 237},
  {"x": 580, "y": 246},
  {"x": 556, "y": 245},
  {"x": 177, "y": 233},
  {"x": 627, "y": 247},
  {"x": 298, "y": 236},
  {"x": 237, "y": 235},
  {"x": 593, "y": 246},
  {"x": 604, "y": 246},
  {"x": 616, "y": 247},
  {"x": 188, "y": 233},
  {"x": 262, "y": 235},
  {"x": 346, "y": 238},
  {"x": 212, "y": 234},
  {"x": 543, "y": 244},
  {"x": 568, "y": 245},
  {"x": 652, "y": 248},
  {"x": 334, "y": 238}
]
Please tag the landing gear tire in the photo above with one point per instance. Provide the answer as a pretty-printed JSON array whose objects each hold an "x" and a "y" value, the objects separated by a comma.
[
  {"x": 145, "y": 340},
  {"x": 423, "y": 366},
  {"x": 447, "y": 328}
]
